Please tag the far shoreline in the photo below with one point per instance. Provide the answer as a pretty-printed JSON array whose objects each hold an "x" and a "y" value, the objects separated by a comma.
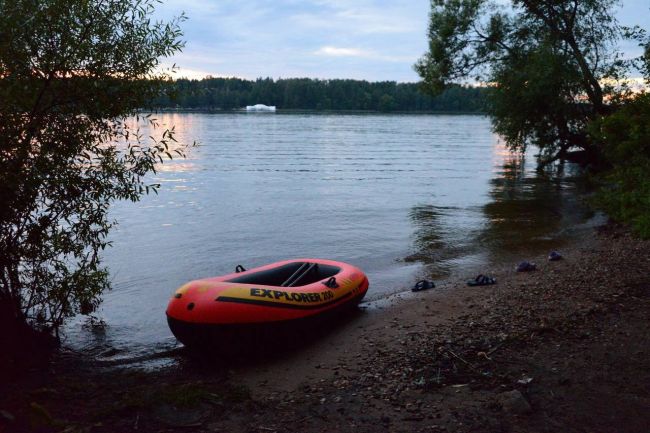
[{"x": 206, "y": 110}]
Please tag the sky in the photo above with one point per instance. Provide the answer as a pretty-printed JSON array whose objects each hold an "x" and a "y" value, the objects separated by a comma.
[{"x": 374, "y": 40}]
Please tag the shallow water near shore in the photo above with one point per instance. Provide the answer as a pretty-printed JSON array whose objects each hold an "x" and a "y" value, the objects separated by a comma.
[{"x": 401, "y": 196}]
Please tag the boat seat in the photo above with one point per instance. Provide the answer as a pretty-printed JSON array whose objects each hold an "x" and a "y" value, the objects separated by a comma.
[{"x": 300, "y": 273}]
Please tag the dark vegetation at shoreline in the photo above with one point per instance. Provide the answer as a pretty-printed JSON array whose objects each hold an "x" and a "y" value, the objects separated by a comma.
[
  {"x": 314, "y": 94},
  {"x": 625, "y": 187}
]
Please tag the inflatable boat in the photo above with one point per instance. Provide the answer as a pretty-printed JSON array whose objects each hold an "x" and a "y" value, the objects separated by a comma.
[{"x": 280, "y": 296}]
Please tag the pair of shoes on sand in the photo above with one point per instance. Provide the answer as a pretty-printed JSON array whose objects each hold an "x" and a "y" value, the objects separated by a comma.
[
  {"x": 484, "y": 280},
  {"x": 525, "y": 266},
  {"x": 480, "y": 280}
]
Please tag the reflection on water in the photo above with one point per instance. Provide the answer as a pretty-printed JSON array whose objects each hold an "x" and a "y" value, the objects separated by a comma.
[
  {"x": 398, "y": 196},
  {"x": 528, "y": 211},
  {"x": 442, "y": 236},
  {"x": 533, "y": 210}
]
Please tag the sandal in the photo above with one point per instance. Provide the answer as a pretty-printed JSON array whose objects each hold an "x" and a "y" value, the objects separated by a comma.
[
  {"x": 481, "y": 280},
  {"x": 423, "y": 285}
]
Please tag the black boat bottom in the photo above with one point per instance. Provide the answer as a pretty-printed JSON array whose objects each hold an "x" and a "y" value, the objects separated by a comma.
[{"x": 259, "y": 338}]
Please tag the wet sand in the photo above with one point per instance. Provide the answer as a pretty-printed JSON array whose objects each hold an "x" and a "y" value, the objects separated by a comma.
[{"x": 563, "y": 348}]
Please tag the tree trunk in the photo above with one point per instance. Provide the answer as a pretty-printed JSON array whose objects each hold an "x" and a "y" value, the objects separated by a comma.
[{"x": 21, "y": 347}]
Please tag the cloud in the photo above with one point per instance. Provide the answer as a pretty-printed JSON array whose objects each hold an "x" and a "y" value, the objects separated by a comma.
[
  {"x": 341, "y": 52},
  {"x": 363, "y": 54},
  {"x": 365, "y": 39}
]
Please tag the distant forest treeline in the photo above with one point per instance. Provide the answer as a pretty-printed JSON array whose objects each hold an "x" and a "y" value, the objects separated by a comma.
[{"x": 313, "y": 94}]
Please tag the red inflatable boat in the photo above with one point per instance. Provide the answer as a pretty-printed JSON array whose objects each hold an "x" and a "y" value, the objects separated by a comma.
[{"x": 283, "y": 293}]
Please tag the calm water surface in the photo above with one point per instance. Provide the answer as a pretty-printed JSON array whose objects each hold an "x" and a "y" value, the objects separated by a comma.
[{"x": 400, "y": 196}]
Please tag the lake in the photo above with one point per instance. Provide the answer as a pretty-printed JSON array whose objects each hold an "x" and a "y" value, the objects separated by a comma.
[{"x": 400, "y": 196}]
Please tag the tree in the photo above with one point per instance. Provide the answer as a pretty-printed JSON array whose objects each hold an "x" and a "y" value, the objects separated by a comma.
[
  {"x": 72, "y": 73},
  {"x": 545, "y": 61}
]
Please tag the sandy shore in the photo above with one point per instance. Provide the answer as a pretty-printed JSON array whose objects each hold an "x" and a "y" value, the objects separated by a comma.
[{"x": 564, "y": 348}]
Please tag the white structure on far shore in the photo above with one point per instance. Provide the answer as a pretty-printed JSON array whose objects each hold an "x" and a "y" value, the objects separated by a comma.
[{"x": 260, "y": 108}]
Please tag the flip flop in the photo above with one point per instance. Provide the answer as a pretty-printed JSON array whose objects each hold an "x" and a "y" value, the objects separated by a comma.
[
  {"x": 526, "y": 266},
  {"x": 423, "y": 285},
  {"x": 481, "y": 280}
]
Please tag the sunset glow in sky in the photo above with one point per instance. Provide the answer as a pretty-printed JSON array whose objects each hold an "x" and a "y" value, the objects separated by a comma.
[{"x": 362, "y": 39}]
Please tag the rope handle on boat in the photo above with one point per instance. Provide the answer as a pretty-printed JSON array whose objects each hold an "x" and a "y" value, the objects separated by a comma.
[
  {"x": 240, "y": 269},
  {"x": 331, "y": 283}
]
